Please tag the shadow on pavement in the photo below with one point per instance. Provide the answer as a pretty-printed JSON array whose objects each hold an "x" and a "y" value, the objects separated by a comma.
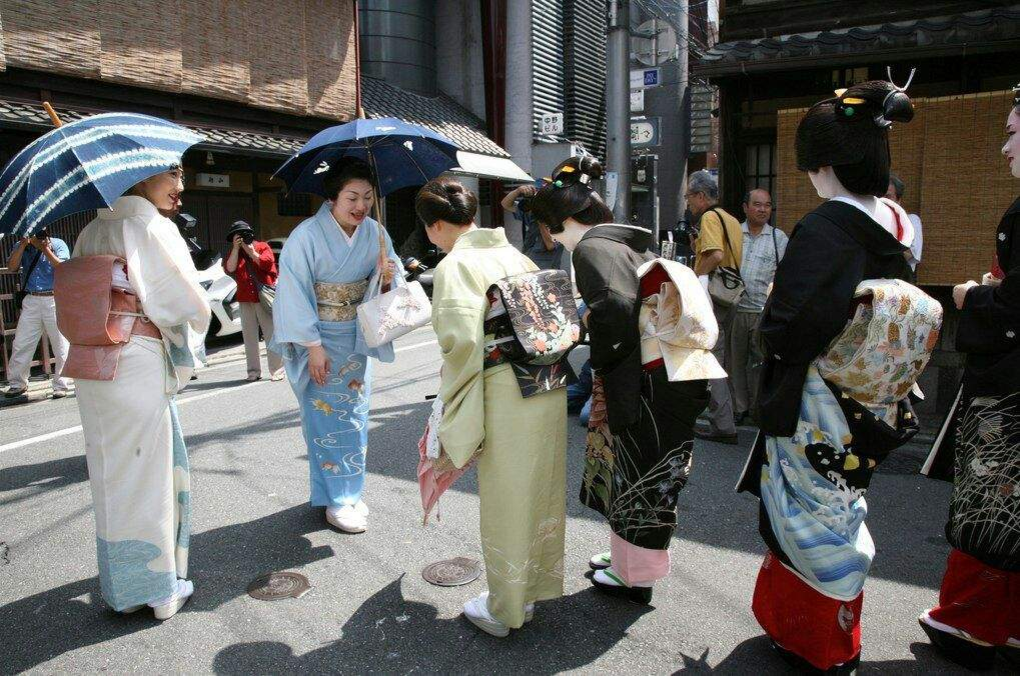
[
  {"x": 390, "y": 634},
  {"x": 224, "y": 561},
  {"x": 42, "y": 476}
]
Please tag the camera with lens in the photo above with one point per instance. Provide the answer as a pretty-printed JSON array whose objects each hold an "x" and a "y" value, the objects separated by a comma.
[{"x": 247, "y": 236}]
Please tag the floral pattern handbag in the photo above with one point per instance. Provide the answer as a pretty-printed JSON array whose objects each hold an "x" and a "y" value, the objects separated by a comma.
[{"x": 384, "y": 317}]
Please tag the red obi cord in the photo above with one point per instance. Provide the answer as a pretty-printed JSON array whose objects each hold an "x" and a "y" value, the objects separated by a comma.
[
  {"x": 981, "y": 600},
  {"x": 823, "y": 631}
]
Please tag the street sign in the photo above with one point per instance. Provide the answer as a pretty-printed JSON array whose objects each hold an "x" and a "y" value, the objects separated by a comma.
[
  {"x": 552, "y": 123},
  {"x": 642, "y": 78},
  {"x": 637, "y": 101},
  {"x": 644, "y": 132},
  {"x": 212, "y": 180}
]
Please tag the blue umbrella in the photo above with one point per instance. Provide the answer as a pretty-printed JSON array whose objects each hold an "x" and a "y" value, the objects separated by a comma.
[
  {"x": 401, "y": 154},
  {"x": 86, "y": 164}
]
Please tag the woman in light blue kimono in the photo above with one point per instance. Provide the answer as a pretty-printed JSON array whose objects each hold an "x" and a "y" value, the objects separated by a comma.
[{"x": 326, "y": 267}]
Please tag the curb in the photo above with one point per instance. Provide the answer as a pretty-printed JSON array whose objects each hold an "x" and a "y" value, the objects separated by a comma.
[{"x": 42, "y": 389}]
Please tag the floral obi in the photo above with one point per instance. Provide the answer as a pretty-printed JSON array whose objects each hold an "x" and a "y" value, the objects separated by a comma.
[
  {"x": 885, "y": 346},
  {"x": 339, "y": 302},
  {"x": 532, "y": 324}
]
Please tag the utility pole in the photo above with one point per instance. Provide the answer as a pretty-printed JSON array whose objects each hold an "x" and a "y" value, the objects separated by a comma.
[
  {"x": 618, "y": 108},
  {"x": 684, "y": 97}
]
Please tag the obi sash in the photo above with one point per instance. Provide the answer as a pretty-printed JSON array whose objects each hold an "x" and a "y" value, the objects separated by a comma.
[
  {"x": 97, "y": 312},
  {"x": 532, "y": 325},
  {"x": 339, "y": 302}
]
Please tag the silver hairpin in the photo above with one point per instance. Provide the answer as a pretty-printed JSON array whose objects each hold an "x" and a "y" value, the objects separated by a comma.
[{"x": 888, "y": 72}]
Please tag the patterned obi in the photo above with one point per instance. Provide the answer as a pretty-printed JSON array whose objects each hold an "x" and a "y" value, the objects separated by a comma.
[
  {"x": 885, "y": 346},
  {"x": 339, "y": 302}
]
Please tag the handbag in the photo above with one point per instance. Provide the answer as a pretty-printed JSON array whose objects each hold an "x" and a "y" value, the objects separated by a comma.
[
  {"x": 19, "y": 295},
  {"x": 384, "y": 317},
  {"x": 266, "y": 292},
  {"x": 725, "y": 285}
]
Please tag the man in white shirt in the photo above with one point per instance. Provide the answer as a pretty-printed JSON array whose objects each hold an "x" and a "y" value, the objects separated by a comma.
[
  {"x": 763, "y": 248},
  {"x": 895, "y": 193}
]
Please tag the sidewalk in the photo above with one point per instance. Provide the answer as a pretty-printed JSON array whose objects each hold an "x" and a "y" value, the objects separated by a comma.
[{"x": 42, "y": 389}]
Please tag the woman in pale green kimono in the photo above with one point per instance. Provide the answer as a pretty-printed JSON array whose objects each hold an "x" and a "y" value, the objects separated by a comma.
[{"x": 520, "y": 443}]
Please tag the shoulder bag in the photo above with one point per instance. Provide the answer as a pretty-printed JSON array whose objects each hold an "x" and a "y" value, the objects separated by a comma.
[
  {"x": 725, "y": 285},
  {"x": 384, "y": 317},
  {"x": 19, "y": 296}
]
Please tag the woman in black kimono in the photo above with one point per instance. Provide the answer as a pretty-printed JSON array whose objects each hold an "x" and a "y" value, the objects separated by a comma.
[
  {"x": 979, "y": 450},
  {"x": 821, "y": 442},
  {"x": 640, "y": 438}
]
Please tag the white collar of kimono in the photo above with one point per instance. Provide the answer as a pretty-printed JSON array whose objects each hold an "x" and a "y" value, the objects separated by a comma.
[
  {"x": 128, "y": 206},
  {"x": 348, "y": 238},
  {"x": 872, "y": 207}
]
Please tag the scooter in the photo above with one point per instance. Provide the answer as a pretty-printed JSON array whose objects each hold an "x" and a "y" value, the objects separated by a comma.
[{"x": 220, "y": 288}]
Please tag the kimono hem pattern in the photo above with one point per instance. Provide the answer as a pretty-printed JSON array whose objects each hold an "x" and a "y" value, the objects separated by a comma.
[
  {"x": 322, "y": 280},
  {"x": 134, "y": 447},
  {"x": 522, "y": 463}
]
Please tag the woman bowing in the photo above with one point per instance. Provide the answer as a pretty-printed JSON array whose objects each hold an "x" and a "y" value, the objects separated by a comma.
[
  {"x": 641, "y": 430},
  {"x": 327, "y": 265}
]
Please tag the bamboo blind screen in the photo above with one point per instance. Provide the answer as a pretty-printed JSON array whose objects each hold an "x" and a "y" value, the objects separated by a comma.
[
  {"x": 956, "y": 180},
  {"x": 297, "y": 57},
  {"x": 216, "y": 50}
]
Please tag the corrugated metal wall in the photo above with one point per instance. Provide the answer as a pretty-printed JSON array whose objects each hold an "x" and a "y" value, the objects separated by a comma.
[
  {"x": 568, "y": 39},
  {"x": 547, "y": 61},
  {"x": 584, "y": 47}
]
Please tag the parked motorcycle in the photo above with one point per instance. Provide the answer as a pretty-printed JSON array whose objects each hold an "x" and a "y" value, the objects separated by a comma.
[{"x": 220, "y": 288}]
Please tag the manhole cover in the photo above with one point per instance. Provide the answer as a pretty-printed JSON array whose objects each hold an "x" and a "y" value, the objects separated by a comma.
[
  {"x": 276, "y": 586},
  {"x": 452, "y": 572}
]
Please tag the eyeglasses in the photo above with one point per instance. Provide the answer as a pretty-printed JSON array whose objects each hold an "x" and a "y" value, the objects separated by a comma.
[{"x": 689, "y": 195}]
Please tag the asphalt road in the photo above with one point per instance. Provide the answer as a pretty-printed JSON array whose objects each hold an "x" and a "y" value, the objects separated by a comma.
[{"x": 369, "y": 609}]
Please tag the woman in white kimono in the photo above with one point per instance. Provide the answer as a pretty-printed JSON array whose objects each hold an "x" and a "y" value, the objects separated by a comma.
[
  {"x": 520, "y": 443},
  {"x": 137, "y": 461},
  {"x": 325, "y": 271}
]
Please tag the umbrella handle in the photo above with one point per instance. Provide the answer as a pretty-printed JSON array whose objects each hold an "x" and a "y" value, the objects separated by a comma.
[{"x": 52, "y": 113}]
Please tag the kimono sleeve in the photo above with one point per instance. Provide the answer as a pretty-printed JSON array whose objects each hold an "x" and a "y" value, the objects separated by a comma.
[
  {"x": 814, "y": 286},
  {"x": 614, "y": 315},
  {"x": 295, "y": 314},
  {"x": 990, "y": 320},
  {"x": 458, "y": 315},
  {"x": 164, "y": 277}
]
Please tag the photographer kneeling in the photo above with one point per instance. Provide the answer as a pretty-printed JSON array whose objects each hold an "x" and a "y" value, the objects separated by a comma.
[{"x": 254, "y": 269}]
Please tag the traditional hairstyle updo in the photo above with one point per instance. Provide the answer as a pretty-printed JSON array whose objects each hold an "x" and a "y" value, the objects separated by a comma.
[
  {"x": 347, "y": 170},
  {"x": 850, "y": 133},
  {"x": 570, "y": 195},
  {"x": 446, "y": 199}
]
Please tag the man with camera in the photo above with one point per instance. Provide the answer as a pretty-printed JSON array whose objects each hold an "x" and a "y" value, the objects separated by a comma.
[
  {"x": 252, "y": 265},
  {"x": 38, "y": 310}
]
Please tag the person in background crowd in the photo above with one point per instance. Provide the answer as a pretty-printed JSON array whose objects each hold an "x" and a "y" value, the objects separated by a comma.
[
  {"x": 763, "y": 248},
  {"x": 538, "y": 243},
  {"x": 978, "y": 613},
  {"x": 647, "y": 395},
  {"x": 38, "y": 311},
  {"x": 258, "y": 257},
  {"x": 520, "y": 442},
  {"x": 719, "y": 243},
  {"x": 895, "y": 193},
  {"x": 326, "y": 268},
  {"x": 134, "y": 446}
]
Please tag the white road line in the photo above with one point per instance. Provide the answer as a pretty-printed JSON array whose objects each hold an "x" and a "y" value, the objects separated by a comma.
[
  {"x": 180, "y": 402},
  {"x": 411, "y": 347}
]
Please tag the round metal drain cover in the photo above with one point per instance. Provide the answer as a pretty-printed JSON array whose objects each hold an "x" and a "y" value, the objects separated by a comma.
[
  {"x": 452, "y": 572},
  {"x": 276, "y": 586}
]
